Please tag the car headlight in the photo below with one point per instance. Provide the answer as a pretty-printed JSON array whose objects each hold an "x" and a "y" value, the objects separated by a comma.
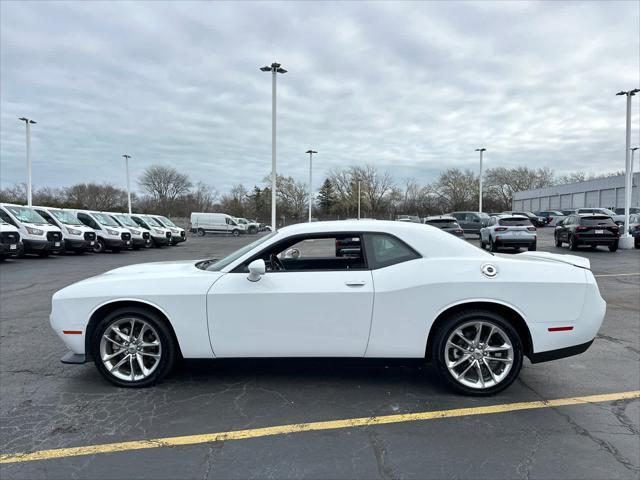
[
  {"x": 73, "y": 231},
  {"x": 135, "y": 232},
  {"x": 112, "y": 232},
  {"x": 157, "y": 230},
  {"x": 175, "y": 230},
  {"x": 34, "y": 231}
]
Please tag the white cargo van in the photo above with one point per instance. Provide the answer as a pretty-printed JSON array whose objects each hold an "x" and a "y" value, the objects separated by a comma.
[
  {"x": 159, "y": 235},
  {"x": 139, "y": 237},
  {"x": 37, "y": 235},
  {"x": 177, "y": 234},
  {"x": 76, "y": 235},
  {"x": 203, "y": 223},
  {"x": 110, "y": 235},
  {"x": 10, "y": 244}
]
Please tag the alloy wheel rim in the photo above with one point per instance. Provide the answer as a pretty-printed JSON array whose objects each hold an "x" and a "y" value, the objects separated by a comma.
[
  {"x": 478, "y": 354},
  {"x": 130, "y": 349}
]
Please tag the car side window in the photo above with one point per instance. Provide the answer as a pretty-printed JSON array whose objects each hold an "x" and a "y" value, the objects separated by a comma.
[
  {"x": 384, "y": 250},
  {"x": 5, "y": 216}
]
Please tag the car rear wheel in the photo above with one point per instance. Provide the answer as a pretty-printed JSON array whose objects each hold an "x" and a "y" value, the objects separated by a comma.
[
  {"x": 533, "y": 247},
  {"x": 573, "y": 243},
  {"x": 558, "y": 241},
  {"x": 133, "y": 348},
  {"x": 235, "y": 233},
  {"x": 478, "y": 352},
  {"x": 200, "y": 232},
  {"x": 492, "y": 245},
  {"x": 482, "y": 244},
  {"x": 613, "y": 247}
]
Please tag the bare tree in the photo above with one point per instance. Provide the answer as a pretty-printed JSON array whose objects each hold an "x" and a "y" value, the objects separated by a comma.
[
  {"x": 458, "y": 189},
  {"x": 375, "y": 187},
  {"x": 502, "y": 182},
  {"x": 93, "y": 196},
  {"x": 293, "y": 197},
  {"x": 164, "y": 184}
]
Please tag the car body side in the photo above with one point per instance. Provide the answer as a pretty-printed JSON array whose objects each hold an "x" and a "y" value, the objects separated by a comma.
[{"x": 408, "y": 297}]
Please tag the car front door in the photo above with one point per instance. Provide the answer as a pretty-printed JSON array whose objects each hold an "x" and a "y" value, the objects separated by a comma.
[
  {"x": 564, "y": 228},
  {"x": 311, "y": 302}
]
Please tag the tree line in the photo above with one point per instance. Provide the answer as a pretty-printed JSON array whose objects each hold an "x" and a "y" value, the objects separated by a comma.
[{"x": 167, "y": 191}]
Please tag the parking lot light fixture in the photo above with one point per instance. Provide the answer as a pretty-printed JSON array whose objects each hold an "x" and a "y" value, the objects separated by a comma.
[
  {"x": 126, "y": 168},
  {"x": 626, "y": 240},
  {"x": 274, "y": 69},
  {"x": 310, "y": 152},
  {"x": 481, "y": 150},
  {"x": 28, "y": 122}
]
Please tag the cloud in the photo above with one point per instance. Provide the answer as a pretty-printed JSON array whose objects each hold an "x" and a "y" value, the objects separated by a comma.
[{"x": 412, "y": 88}]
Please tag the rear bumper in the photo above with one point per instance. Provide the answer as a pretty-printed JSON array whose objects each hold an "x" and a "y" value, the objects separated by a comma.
[
  {"x": 560, "y": 353},
  {"x": 595, "y": 240},
  {"x": 515, "y": 242}
]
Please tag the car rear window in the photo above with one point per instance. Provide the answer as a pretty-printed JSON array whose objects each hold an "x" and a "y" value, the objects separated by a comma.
[
  {"x": 443, "y": 223},
  {"x": 514, "y": 222},
  {"x": 597, "y": 220}
]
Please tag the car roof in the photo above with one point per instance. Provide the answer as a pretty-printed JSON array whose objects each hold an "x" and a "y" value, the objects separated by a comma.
[{"x": 441, "y": 217}]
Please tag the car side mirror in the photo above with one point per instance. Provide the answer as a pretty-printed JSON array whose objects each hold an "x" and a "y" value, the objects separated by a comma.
[{"x": 257, "y": 269}]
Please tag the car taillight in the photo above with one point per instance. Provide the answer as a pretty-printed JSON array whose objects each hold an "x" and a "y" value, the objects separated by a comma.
[
  {"x": 501, "y": 229},
  {"x": 582, "y": 229},
  {"x": 531, "y": 229}
]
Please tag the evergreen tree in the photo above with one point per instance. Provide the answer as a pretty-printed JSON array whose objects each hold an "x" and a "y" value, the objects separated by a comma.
[{"x": 327, "y": 196}]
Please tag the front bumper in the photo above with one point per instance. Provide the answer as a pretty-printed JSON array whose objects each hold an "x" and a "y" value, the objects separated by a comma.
[
  {"x": 41, "y": 246},
  {"x": 138, "y": 242},
  {"x": 6, "y": 250},
  {"x": 76, "y": 245},
  {"x": 161, "y": 240},
  {"x": 113, "y": 243}
]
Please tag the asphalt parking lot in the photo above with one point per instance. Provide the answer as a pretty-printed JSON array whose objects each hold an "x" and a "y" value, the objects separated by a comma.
[{"x": 47, "y": 405}]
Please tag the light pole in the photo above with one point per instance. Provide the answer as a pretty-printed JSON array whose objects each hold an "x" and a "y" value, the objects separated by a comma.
[
  {"x": 310, "y": 152},
  {"x": 28, "y": 122},
  {"x": 633, "y": 151},
  {"x": 274, "y": 69},
  {"x": 126, "y": 168},
  {"x": 359, "y": 196},
  {"x": 626, "y": 241},
  {"x": 481, "y": 150}
]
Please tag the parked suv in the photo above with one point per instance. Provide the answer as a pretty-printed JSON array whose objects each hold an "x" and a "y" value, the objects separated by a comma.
[
  {"x": 471, "y": 222},
  {"x": 160, "y": 235},
  {"x": 619, "y": 219},
  {"x": 515, "y": 231},
  {"x": 446, "y": 223},
  {"x": 177, "y": 234},
  {"x": 10, "y": 244},
  {"x": 77, "y": 237},
  {"x": 634, "y": 229},
  {"x": 587, "y": 229},
  {"x": 536, "y": 220},
  {"x": 551, "y": 216},
  {"x": 110, "y": 235},
  {"x": 37, "y": 235}
]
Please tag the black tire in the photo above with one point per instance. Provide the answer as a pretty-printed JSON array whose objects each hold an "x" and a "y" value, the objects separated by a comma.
[
  {"x": 492, "y": 245},
  {"x": 488, "y": 317},
  {"x": 533, "y": 247},
  {"x": 200, "y": 232},
  {"x": 169, "y": 347},
  {"x": 482, "y": 244},
  {"x": 573, "y": 243},
  {"x": 235, "y": 232},
  {"x": 613, "y": 247},
  {"x": 99, "y": 246},
  {"x": 558, "y": 241},
  {"x": 636, "y": 243}
]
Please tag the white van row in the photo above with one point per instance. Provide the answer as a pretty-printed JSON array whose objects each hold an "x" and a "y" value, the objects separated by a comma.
[
  {"x": 203, "y": 223},
  {"x": 48, "y": 230}
]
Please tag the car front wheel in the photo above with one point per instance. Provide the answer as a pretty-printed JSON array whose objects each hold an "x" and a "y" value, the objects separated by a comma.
[
  {"x": 99, "y": 246},
  {"x": 573, "y": 243},
  {"x": 133, "y": 348},
  {"x": 477, "y": 352},
  {"x": 558, "y": 241}
]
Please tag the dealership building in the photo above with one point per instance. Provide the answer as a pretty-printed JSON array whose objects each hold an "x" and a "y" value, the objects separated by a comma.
[{"x": 601, "y": 192}]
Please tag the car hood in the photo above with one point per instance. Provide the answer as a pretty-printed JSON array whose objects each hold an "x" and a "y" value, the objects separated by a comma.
[
  {"x": 164, "y": 268},
  {"x": 552, "y": 257}
]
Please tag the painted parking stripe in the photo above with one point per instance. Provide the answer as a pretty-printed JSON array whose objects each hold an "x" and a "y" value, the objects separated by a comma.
[
  {"x": 616, "y": 274},
  {"x": 307, "y": 427}
]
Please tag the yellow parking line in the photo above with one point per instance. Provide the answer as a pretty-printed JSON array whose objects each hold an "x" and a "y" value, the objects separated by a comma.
[
  {"x": 307, "y": 427},
  {"x": 616, "y": 274}
]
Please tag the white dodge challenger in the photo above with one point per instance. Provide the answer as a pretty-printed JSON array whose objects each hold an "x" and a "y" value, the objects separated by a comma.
[{"x": 371, "y": 289}]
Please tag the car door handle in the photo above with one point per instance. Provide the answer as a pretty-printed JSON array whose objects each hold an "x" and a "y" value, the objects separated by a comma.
[{"x": 355, "y": 283}]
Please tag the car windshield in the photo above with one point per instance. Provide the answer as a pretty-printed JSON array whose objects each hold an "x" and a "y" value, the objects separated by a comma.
[
  {"x": 105, "y": 220},
  {"x": 66, "y": 217},
  {"x": 442, "y": 223},
  {"x": 242, "y": 220},
  {"x": 126, "y": 220},
  {"x": 483, "y": 215},
  {"x": 26, "y": 215},
  {"x": 152, "y": 221},
  {"x": 514, "y": 222},
  {"x": 215, "y": 265},
  {"x": 607, "y": 211},
  {"x": 168, "y": 222},
  {"x": 597, "y": 220}
]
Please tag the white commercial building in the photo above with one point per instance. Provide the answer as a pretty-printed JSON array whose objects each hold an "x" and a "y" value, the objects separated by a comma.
[{"x": 601, "y": 192}]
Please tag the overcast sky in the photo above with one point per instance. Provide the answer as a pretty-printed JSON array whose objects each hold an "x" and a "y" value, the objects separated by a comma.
[{"x": 412, "y": 88}]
